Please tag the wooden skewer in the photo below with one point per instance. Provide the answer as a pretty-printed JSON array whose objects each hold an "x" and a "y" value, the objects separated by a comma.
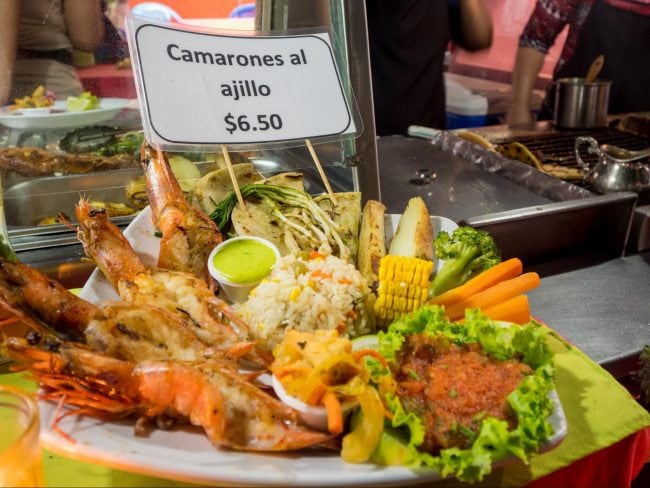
[
  {"x": 233, "y": 178},
  {"x": 314, "y": 156}
]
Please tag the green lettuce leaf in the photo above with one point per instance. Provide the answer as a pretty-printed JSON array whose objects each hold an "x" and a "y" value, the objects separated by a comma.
[{"x": 530, "y": 402}]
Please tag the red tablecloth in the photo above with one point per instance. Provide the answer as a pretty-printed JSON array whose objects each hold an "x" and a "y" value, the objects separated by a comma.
[
  {"x": 613, "y": 467},
  {"x": 106, "y": 81}
]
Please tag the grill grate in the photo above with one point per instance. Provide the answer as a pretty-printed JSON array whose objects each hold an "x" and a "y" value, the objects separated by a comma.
[{"x": 557, "y": 147}]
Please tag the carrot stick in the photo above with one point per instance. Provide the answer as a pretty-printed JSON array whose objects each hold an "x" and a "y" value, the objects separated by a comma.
[
  {"x": 494, "y": 295},
  {"x": 282, "y": 371},
  {"x": 334, "y": 413},
  {"x": 316, "y": 394},
  {"x": 357, "y": 355},
  {"x": 505, "y": 270},
  {"x": 515, "y": 310},
  {"x": 313, "y": 254}
]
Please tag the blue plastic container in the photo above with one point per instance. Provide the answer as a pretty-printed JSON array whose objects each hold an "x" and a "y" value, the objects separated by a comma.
[
  {"x": 464, "y": 108},
  {"x": 458, "y": 121}
]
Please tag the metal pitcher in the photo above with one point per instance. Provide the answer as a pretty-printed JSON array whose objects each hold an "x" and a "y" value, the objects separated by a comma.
[{"x": 617, "y": 169}]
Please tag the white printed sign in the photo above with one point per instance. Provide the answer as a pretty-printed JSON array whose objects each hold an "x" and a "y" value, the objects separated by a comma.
[{"x": 210, "y": 89}]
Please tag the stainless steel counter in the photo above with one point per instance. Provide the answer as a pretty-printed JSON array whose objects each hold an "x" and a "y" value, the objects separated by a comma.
[
  {"x": 457, "y": 189},
  {"x": 603, "y": 308},
  {"x": 594, "y": 297}
]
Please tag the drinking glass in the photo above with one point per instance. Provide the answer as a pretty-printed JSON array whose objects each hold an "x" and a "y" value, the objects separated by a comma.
[{"x": 20, "y": 452}]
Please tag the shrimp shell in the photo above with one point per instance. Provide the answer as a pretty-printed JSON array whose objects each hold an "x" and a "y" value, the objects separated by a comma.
[
  {"x": 188, "y": 234},
  {"x": 233, "y": 412},
  {"x": 24, "y": 289},
  {"x": 132, "y": 331},
  {"x": 209, "y": 318},
  {"x": 140, "y": 332},
  {"x": 106, "y": 245}
]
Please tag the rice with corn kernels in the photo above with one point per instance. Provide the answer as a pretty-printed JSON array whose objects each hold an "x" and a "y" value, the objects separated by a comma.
[{"x": 305, "y": 294}]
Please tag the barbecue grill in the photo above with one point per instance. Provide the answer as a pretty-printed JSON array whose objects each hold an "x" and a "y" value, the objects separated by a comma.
[{"x": 557, "y": 147}]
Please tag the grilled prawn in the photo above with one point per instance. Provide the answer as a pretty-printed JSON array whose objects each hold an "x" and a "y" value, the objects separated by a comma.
[
  {"x": 233, "y": 412},
  {"x": 24, "y": 289},
  {"x": 208, "y": 317},
  {"x": 188, "y": 234},
  {"x": 124, "y": 330}
]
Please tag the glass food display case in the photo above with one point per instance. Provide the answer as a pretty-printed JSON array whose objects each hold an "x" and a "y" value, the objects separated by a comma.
[{"x": 49, "y": 160}]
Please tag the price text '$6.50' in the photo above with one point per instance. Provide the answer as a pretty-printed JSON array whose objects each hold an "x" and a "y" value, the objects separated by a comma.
[{"x": 261, "y": 122}]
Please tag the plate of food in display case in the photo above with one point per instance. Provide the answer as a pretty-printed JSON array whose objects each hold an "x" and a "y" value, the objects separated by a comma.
[
  {"x": 41, "y": 110},
  {"x": 348, "y": 364}
]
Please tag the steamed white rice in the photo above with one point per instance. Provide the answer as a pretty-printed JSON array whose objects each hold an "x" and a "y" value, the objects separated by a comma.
[{"x": 309, "y": 294}]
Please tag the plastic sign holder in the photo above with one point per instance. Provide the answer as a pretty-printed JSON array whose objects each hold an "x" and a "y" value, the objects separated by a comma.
[{"x": 199, "y": 87}]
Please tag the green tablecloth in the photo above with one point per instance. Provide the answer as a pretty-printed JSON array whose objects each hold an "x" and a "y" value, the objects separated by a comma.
[{"x": 599, "y": 411}]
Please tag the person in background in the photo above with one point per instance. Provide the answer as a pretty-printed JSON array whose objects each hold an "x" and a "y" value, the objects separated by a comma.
[
  {"x": 617, "y": 29},
  {"x": 407, "y": 42},
  {"x": 113, "y": 47},
  {"x": 37, "y": 38}
]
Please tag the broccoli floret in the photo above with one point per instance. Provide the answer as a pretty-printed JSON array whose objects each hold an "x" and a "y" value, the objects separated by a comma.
[{"x": 466, "y": 252}]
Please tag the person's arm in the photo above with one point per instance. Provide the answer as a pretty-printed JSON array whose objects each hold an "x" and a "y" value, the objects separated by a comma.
[
  {"x": 9, "y": 21},
  {"x": 83, "y": 21},
  {"x": 547, "y": 20},
  {"x": 528, "y": 64},
  {"x": 475, "y": 25}
]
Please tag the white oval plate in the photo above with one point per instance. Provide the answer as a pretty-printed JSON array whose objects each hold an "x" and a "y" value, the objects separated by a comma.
[
  {"x": 185, "y": 453},
  {"x": 141, "y": 234},
  {"x": 61, "y": 118}
]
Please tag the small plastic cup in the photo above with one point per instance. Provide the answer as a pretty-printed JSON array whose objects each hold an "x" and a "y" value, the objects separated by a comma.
[
  {"x": 236, "y": 290},
  {"x": 311, "y": 415}
]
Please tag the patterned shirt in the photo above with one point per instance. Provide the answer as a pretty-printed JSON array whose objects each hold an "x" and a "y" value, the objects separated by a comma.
[{"x": 551, "y": 16}]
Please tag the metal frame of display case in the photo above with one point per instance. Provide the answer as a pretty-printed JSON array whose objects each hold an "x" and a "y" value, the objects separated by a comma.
[{"x": 347, "y": 21}]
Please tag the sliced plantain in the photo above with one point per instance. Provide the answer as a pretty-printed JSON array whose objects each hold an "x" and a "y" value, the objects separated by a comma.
[
  {"x": 371, "y": 237},
  {"x": 113, "y": 209},
  {"x": 519, "y": 152},
  {"x": 563, "y": 172},
  {"x": 472, "y": 136},
  {"x": 516, "y": 150}
]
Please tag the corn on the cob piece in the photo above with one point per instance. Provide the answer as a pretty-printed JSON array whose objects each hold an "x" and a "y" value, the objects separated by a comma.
[{"x": 403, "y": 287}]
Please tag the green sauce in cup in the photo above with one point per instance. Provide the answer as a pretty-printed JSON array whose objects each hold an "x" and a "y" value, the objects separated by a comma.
[{"x": 244, "y": 260}]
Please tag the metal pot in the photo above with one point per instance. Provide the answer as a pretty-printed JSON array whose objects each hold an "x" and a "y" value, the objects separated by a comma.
[
  {"x": 579, "y": 104},
  {"x": 617, "y": 169}
]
